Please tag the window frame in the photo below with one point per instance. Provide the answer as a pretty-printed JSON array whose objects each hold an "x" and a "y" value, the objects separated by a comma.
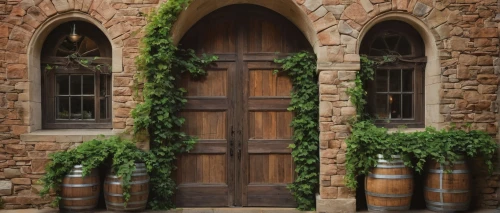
[
  {"x": 48, "y": 83},
  {"x": 415, "y": 61}
]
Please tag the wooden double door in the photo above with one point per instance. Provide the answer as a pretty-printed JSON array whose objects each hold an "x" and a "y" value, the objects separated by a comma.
[{"x": 239, "y": 112}]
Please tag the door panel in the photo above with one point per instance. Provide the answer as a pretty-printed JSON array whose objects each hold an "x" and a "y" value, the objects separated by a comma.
[
  {"x": 239, "y": 111},
  {"x": 267, "y": 158},
  {"x": 204, "y": 175}
]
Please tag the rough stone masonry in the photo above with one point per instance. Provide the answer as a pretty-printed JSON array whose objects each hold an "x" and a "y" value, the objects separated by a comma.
[{"x": 462, "y": 88}]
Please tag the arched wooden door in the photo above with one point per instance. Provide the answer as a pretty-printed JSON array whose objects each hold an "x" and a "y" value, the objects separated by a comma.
[{"x": 238, "y": 111}]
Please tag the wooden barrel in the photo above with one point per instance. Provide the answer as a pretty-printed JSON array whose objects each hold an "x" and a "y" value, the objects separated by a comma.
[
  {"x": 139, "y": 190},
  {"x": 78, "y": 192},
  {"x": 447, "y": 187},
  {"x": 389, "y": 186}
]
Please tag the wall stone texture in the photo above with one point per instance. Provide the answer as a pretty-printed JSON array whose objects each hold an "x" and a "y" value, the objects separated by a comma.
[{"x": 464, "y": 33}]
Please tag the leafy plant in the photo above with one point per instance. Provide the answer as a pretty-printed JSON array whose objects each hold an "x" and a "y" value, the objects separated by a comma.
[
  {"x": 75, "y": 60},
  {"x": 161, "y": 65},
  {"x": 358, "y": 93},
  {"x": 301, "y": 68},
  {"x": 367, "y": 140},
  {"x": 93, "y": 154}
]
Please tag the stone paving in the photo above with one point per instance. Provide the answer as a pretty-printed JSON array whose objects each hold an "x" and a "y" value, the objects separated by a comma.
[{"x": 222, "y": 210}]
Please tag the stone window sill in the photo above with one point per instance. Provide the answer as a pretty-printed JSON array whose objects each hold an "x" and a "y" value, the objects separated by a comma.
[{"x": 67, "y": 135}]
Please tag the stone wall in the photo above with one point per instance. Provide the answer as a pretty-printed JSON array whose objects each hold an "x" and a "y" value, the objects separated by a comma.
[
  {"x": 23, "y": 24},
  {"x": 461, "y": 39}
]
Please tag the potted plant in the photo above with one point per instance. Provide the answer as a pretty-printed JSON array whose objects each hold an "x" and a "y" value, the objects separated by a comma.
[
  {"x": 447, "y": 185},
  {"x": 87, "y": 157},
  {"x": 383, "y": 159}
]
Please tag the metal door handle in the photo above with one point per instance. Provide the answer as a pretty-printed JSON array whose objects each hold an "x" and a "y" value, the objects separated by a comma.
[
  {"x": 239, "y": 154},
  {"x": 231, "y": 152}
]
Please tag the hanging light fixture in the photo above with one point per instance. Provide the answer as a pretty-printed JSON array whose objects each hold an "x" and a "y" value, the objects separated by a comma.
[{"x": 73, "y": 36}]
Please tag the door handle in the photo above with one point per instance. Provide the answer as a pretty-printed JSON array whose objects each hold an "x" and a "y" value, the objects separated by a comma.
[{"x": 239, "y": 154}]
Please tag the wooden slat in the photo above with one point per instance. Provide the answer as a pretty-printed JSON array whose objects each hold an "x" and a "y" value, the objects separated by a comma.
[
  {"x": 206, "y": 104},
  {"x": 263, "y": 57},
  {"x": 210, "y": 146},
  {"x": 269, "y": 146},
  {"x": 270, "y": 195},
  {"x": 279, "y": 104},
  {"x": 197, "y": 195}
]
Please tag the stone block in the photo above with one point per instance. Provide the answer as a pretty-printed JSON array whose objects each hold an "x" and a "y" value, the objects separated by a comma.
[
  {"x": 47, "y": 8},
  {"x": 46, "y": 146},
  {"x": 356, "y": 12},
  {"x": 465, "y": 59},
  {"x": 421, "y": 9},
  {"x": 15, "y": 148},
  {"x": 38, "y": 166},
  {"x": 335, "y": 205},
  {"x": 481, "y": 32},
  {"x": 312, "y": 5},
  {"x": 21, "y": 181},
  {"x": 487, "y": 89},
  {"x": 330, "y": 36},
  {"x": 337, "y": 180},
  {"x": 325, "y": 109},
  {"x": 325, "y": 22},
  {"x": 491, "y": 79},
  {"x": 11, "y": 173},
  {"x": 5, "y": 187}
]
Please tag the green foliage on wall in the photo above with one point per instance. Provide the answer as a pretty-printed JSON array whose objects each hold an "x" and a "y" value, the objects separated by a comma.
[
  {"x": 367, "y": 140},
  {"x": 301, "y": 68},
  {"x": 161, "y": 64},
  {"x": 121, "y": 154}
]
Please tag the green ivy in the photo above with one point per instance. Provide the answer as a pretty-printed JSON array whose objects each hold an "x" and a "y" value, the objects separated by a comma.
[
  {"x": 161, "y": 65},
  {"x": 301, "y": 68},
  {"x": 367, "y": 140},
  {"x": 123, "y": 155}
]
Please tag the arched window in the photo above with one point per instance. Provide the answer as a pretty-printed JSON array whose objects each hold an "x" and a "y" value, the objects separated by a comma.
[
  {"x": 76, "y": 78},
  {"x": 396, "y": 95}
]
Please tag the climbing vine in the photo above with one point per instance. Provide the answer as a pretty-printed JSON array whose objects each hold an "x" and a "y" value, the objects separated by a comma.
[
  {"x": 367, "y": 140},
  {"x": 161, "y": 64},
  {"x": 301, "y": 68}
]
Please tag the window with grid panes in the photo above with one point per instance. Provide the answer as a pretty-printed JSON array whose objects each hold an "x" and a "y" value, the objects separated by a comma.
[
  {"x": 76, "y": 95},
  {"x": 396, "y": 95}
]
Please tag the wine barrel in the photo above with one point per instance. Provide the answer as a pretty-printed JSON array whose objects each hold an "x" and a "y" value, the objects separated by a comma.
[
  {"x": 139, "y": 190},
  {"x": 389, "y": 186},
  {"x": 447, "y": 187},
  {"x": 79, "y": 192}
]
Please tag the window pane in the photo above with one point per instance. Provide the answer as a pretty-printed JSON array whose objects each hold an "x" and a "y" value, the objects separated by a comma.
[
  {"x": 76, "y": 84},
  {"x": 407, "y": 80},
  {"x": 395, "y": 103},
  {"x": 62, "y": 106},
  {"x": 103, "y": 85},
  {"x": 395, "y": 81},
  {"x": 378, "y": 48},
  {"x": 103, "y": 108},
  {"x": 392, "y": 41},
  {"x": 76, "y": 107},
  {"x": 407, "y": 106},
  {"x": 381, "y": 80},
  {"x": 404, "y": 47},
  {"x": 88, "y": 108},
  {"x": 88, "y": 84},
  {"x": 62, "y": 85},
  {"x": 381, "y": 107}
]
